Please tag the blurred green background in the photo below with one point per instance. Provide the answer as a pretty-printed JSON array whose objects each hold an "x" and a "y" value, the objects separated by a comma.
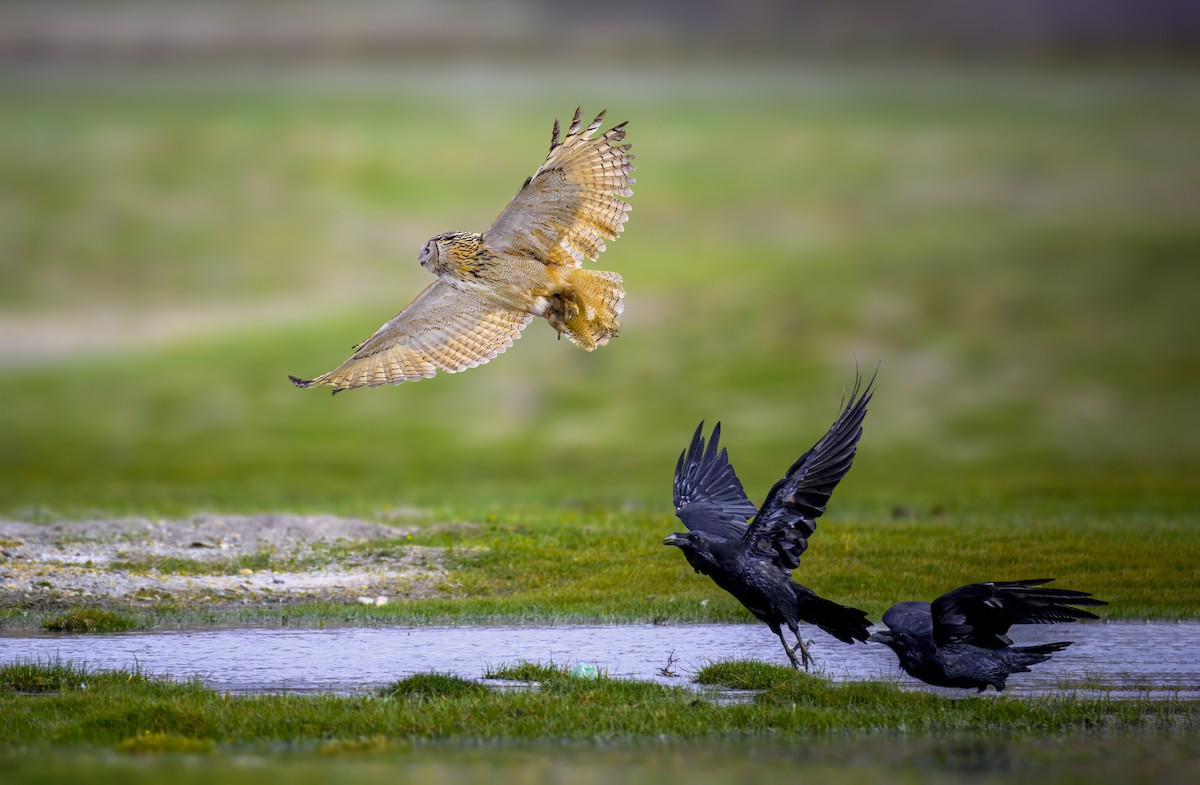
[{"x": 187, "y": 217}]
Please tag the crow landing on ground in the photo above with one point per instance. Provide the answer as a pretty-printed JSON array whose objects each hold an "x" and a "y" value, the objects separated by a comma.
[
  {"x": 959, "y": 640},
  {"x": 754, "y": 562}
]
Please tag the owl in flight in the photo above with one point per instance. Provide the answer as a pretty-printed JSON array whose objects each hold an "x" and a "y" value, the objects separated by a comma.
[{"x": 529, "y": 263}]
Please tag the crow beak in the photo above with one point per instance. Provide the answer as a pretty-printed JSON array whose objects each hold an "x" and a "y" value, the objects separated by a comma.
[
  {"x": 883, "y": 636},
  {"x": 676, "y": 540}
]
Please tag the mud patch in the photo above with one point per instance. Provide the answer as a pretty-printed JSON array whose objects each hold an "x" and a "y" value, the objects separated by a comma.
[{"x": 214, "y": 559}]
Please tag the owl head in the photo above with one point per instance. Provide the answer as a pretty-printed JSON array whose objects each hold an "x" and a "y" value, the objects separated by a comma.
[{"x": 446, "y": 251}]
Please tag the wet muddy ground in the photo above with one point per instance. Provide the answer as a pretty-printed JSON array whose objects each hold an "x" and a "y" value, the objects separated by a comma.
[{"x": 214, "y": 560}]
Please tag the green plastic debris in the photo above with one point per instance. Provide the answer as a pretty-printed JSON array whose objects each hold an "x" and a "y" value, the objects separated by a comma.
[{"x": 583, "y": 670}]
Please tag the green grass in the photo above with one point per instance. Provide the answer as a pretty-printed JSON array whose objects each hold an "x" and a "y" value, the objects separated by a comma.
[
  {"x": 88, "y": 620},
  {"x": 595, "y": 564},
  {"x": 66, "y": 677},
  {"x": 433, "y": 686},
  {"x": 432, "y": 727},
  {"x": 108, "y": 709},
  {"x": 527, "y": 670}
]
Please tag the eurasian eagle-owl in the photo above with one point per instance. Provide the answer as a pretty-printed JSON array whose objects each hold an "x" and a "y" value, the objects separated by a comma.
[{"x": 529, "y": 263}]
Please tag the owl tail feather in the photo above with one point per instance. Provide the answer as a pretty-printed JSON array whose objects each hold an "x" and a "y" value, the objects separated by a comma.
[{"x": 593, "y": 315}]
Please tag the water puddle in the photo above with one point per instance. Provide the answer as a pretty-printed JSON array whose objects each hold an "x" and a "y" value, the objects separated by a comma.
[{"x": 1123, "y": 660}]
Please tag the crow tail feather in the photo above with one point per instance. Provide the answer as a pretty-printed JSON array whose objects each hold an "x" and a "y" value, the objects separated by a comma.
[{"x": 841, "y": 621}]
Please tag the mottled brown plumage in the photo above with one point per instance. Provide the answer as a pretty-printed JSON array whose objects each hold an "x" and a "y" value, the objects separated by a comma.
[{"x": 529, "y": 263}]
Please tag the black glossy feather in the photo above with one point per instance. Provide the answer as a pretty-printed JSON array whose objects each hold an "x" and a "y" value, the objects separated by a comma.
[
  {"x": 788, "y": 516},
  {"x": 981, "y": 613},
  {"x": 959, "y": 639},
  {"x": 912, "y": 617},
  {"x": 708, "y": 494},
  {"x": 756, "y": 570}
]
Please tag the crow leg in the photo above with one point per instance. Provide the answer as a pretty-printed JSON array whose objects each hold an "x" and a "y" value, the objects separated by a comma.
[
  {"x": 805, "y": 657},
  {"x": 791, "y": 651}
]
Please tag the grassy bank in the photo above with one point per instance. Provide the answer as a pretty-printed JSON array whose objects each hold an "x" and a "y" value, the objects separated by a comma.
[
  {"x": 594, "y": 564},
  {"x": 74, "y": 707},
  {"x": 132, "y": 728}
]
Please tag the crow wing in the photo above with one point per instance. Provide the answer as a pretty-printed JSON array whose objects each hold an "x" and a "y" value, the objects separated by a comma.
[
  {"x": 981, "y": 613},
  {"x": 910, "y": 617},
  {"x": 789, "y": 515},
  {"x": 708, "y": 494}
]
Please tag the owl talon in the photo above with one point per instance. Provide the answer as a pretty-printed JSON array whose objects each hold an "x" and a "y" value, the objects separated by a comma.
[{"x": 562, "y": 311}]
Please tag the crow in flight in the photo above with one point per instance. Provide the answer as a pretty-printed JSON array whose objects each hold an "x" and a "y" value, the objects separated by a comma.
[
  {"x": 754, "y": 562},
  {"x": 960, "y": 639}
]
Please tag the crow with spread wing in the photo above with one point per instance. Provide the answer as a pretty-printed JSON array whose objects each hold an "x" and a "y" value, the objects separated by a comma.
[
  {"x": 961, "y": 640},
  {"x": 754, "y": 561}
]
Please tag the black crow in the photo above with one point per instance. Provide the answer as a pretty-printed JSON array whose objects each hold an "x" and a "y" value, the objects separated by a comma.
[
  {"x": 754, "y": 562},
  {"x": 960, "y": 639}
]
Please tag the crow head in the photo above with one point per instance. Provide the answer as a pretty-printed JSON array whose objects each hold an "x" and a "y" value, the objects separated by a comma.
[
  {"x": 895, "y": 640},
  {"x": 697, "y": 546},
  {"x": 886, "y": 637}
]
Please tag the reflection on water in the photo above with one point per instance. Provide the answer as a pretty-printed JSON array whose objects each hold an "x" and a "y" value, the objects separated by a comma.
[{"x": 1127, "y": 657}]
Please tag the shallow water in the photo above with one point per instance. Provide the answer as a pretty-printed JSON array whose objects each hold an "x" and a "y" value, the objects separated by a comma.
[{"x": 1121, "y": 659}]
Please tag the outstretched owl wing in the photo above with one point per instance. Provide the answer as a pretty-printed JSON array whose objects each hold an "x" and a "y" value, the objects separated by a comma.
[
  {"x": 442, "y": 329},
  {"x": 569, "y": 207}
]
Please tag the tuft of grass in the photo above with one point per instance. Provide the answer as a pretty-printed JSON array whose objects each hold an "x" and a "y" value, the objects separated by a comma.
[
  {"x": 433, "y": 686},
  {"x": 41, "y": 677},
  {"x": 88, "y": 620},
  {"x": 151, "y": 742},
  {"x": 747, "y": 674},
  {"x": 776, "y": 684},
  {"x": 56, "y": 676},
  {"x": 374, "y": 744},
  {"x": 263, "y": 559},
  {"x": 527, "y": 670}
]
